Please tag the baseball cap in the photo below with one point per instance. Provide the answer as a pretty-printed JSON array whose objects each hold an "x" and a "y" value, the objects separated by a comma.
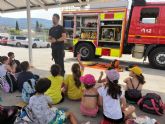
[
  {"x": 88, "y": 79},
  {"x": 137, "y": 70},
  {"x": 112, "y": 75}
]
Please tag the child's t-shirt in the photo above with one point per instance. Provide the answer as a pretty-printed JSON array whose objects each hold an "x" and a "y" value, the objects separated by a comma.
[
  {"x": 54, "y": 92},
  {"x": 23, "y": 77},
  {"x": 3, "y": 70},
  {"x": 111, "y": 107},
  {"x": 40, "y": 108},
  {"x": 73, "y": 92}
]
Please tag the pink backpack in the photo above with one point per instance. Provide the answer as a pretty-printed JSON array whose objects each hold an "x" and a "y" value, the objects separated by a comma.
[
  {"x": 151, "y": 103},
  {"x": 4, "y": 85}
]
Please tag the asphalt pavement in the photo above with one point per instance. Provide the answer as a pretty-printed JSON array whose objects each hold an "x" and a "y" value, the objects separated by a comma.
[{"x": 42, "y": 60}]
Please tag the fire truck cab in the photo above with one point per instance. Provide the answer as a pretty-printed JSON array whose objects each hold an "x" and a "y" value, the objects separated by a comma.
[
  {"x": 108, "y": 32},
  {"x": 146, "y": 32}
]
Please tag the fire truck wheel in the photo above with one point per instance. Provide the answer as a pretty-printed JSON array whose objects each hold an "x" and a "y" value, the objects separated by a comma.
[
  {"x": 86, "y": 50},
  {"x": 157, "y": 58}
]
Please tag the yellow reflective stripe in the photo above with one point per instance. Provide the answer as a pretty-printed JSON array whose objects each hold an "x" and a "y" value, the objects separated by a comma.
[
  {"x": 75, "y": 41},
  {"x": 119, "y": 15},
  {"x": 115, "y": 52},
  {"x": 98, "y": 51},
  {"x": 102, "y": 16}
]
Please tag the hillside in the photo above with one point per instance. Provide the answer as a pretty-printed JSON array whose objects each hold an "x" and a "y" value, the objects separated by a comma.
[{"x": 11, "y": 22}]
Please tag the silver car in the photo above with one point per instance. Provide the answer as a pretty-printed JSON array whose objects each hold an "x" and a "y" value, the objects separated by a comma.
[{"x": 17, "y": 40}]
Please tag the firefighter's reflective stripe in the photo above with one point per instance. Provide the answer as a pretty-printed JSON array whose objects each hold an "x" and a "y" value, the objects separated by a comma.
[
  {"x": 98, "y": 51},
  {"x": 119, "y": 15},
  {"x": 115, "y": 52},
  {"x": 75, "y": 41}
]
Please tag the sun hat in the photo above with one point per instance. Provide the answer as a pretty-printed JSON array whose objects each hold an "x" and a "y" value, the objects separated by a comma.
[
  {"x": 137, "y": 70},
  {"x": 88, "y": 79},
  {"x": 112, "y": 75}
]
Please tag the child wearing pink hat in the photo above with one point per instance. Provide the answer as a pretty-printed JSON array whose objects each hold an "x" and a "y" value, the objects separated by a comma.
[{"x": 89, "y": 101}]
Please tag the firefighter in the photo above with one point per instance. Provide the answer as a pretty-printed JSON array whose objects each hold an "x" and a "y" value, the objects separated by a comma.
[{"x": 57, "y": 36}]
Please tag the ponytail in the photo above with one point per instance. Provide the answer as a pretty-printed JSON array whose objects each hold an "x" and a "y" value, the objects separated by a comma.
[
  {"x": 76, "y": 74},
  {"x": 141, "y": 79},
  {"x": 114, "y": 89}
]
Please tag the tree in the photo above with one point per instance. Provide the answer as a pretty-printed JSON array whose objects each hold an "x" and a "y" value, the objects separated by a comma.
[
  {"x": 37, "y": 26},
  {"x": 14, "y": 32},
  {"x": 17, "y": 26}
]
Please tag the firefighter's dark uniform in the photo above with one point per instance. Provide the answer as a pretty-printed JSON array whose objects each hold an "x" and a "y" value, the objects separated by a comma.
[{"x": 58, "y": 47}]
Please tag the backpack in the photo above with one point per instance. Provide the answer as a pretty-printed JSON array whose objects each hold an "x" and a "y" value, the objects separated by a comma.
[
  {"x": 26, "y": 116},
  {"x": 151, "y": 103},
  {"x": 8, "y": 114},
  {"x": 4, "y": 85},
  {"x": 11, "y": 81},
  {"x": 133, "y": 94},
  {"x": 28, "y": 90}
]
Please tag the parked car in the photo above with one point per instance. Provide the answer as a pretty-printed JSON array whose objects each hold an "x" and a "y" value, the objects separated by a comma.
[
  {"x": 36, "y": 42},
  {"x": 23, "y": 41},
  {"x": 3, "y": 40},
  {"x": 17, "y": 40}
]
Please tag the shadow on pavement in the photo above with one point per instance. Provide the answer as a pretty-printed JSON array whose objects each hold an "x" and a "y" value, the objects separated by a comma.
[{"x": 147, "y": 69}]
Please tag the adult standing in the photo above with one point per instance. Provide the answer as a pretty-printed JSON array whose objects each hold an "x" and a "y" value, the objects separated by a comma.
[{"x": 57, "y": 36}]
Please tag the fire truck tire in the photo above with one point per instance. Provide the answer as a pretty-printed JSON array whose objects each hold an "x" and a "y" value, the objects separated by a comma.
[
  {"x": 157, "y": 58},
  {"x": 86, "y": 50}
]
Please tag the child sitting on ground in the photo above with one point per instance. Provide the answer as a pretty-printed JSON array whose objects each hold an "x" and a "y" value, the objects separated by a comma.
[
  {"x": 55, "y": 91},
  {"x": 114, "y": 65},
  {"x": 14, "y": 63},
  {"x": 89, "y": 101},
  {"x": 5, "y": 67},
  {"x": 74, "y": 87},
  {"x": 134, "y": 84},
  {"x": 110, "y": 97},
  {"x": 25, "y": 75},
  {"x": 41, "y": 106}
]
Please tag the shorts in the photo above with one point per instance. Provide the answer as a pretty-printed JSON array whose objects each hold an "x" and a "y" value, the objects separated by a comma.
[
  {"x": 115, "y": 120},
  {"x": 60, "y": 118},
  {"x": 89, "y": 112}
]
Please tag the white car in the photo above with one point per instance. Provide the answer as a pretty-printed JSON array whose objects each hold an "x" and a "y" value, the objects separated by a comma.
[
  {"x": 23, "y": 41},
  {"x": 38, "y": 43}
]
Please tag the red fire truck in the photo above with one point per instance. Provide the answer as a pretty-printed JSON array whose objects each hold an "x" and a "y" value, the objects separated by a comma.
[{"x": 108, "y": 32}]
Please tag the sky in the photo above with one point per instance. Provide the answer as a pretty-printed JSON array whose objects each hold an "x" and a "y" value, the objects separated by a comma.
[{"x": 43, "y": 13}]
